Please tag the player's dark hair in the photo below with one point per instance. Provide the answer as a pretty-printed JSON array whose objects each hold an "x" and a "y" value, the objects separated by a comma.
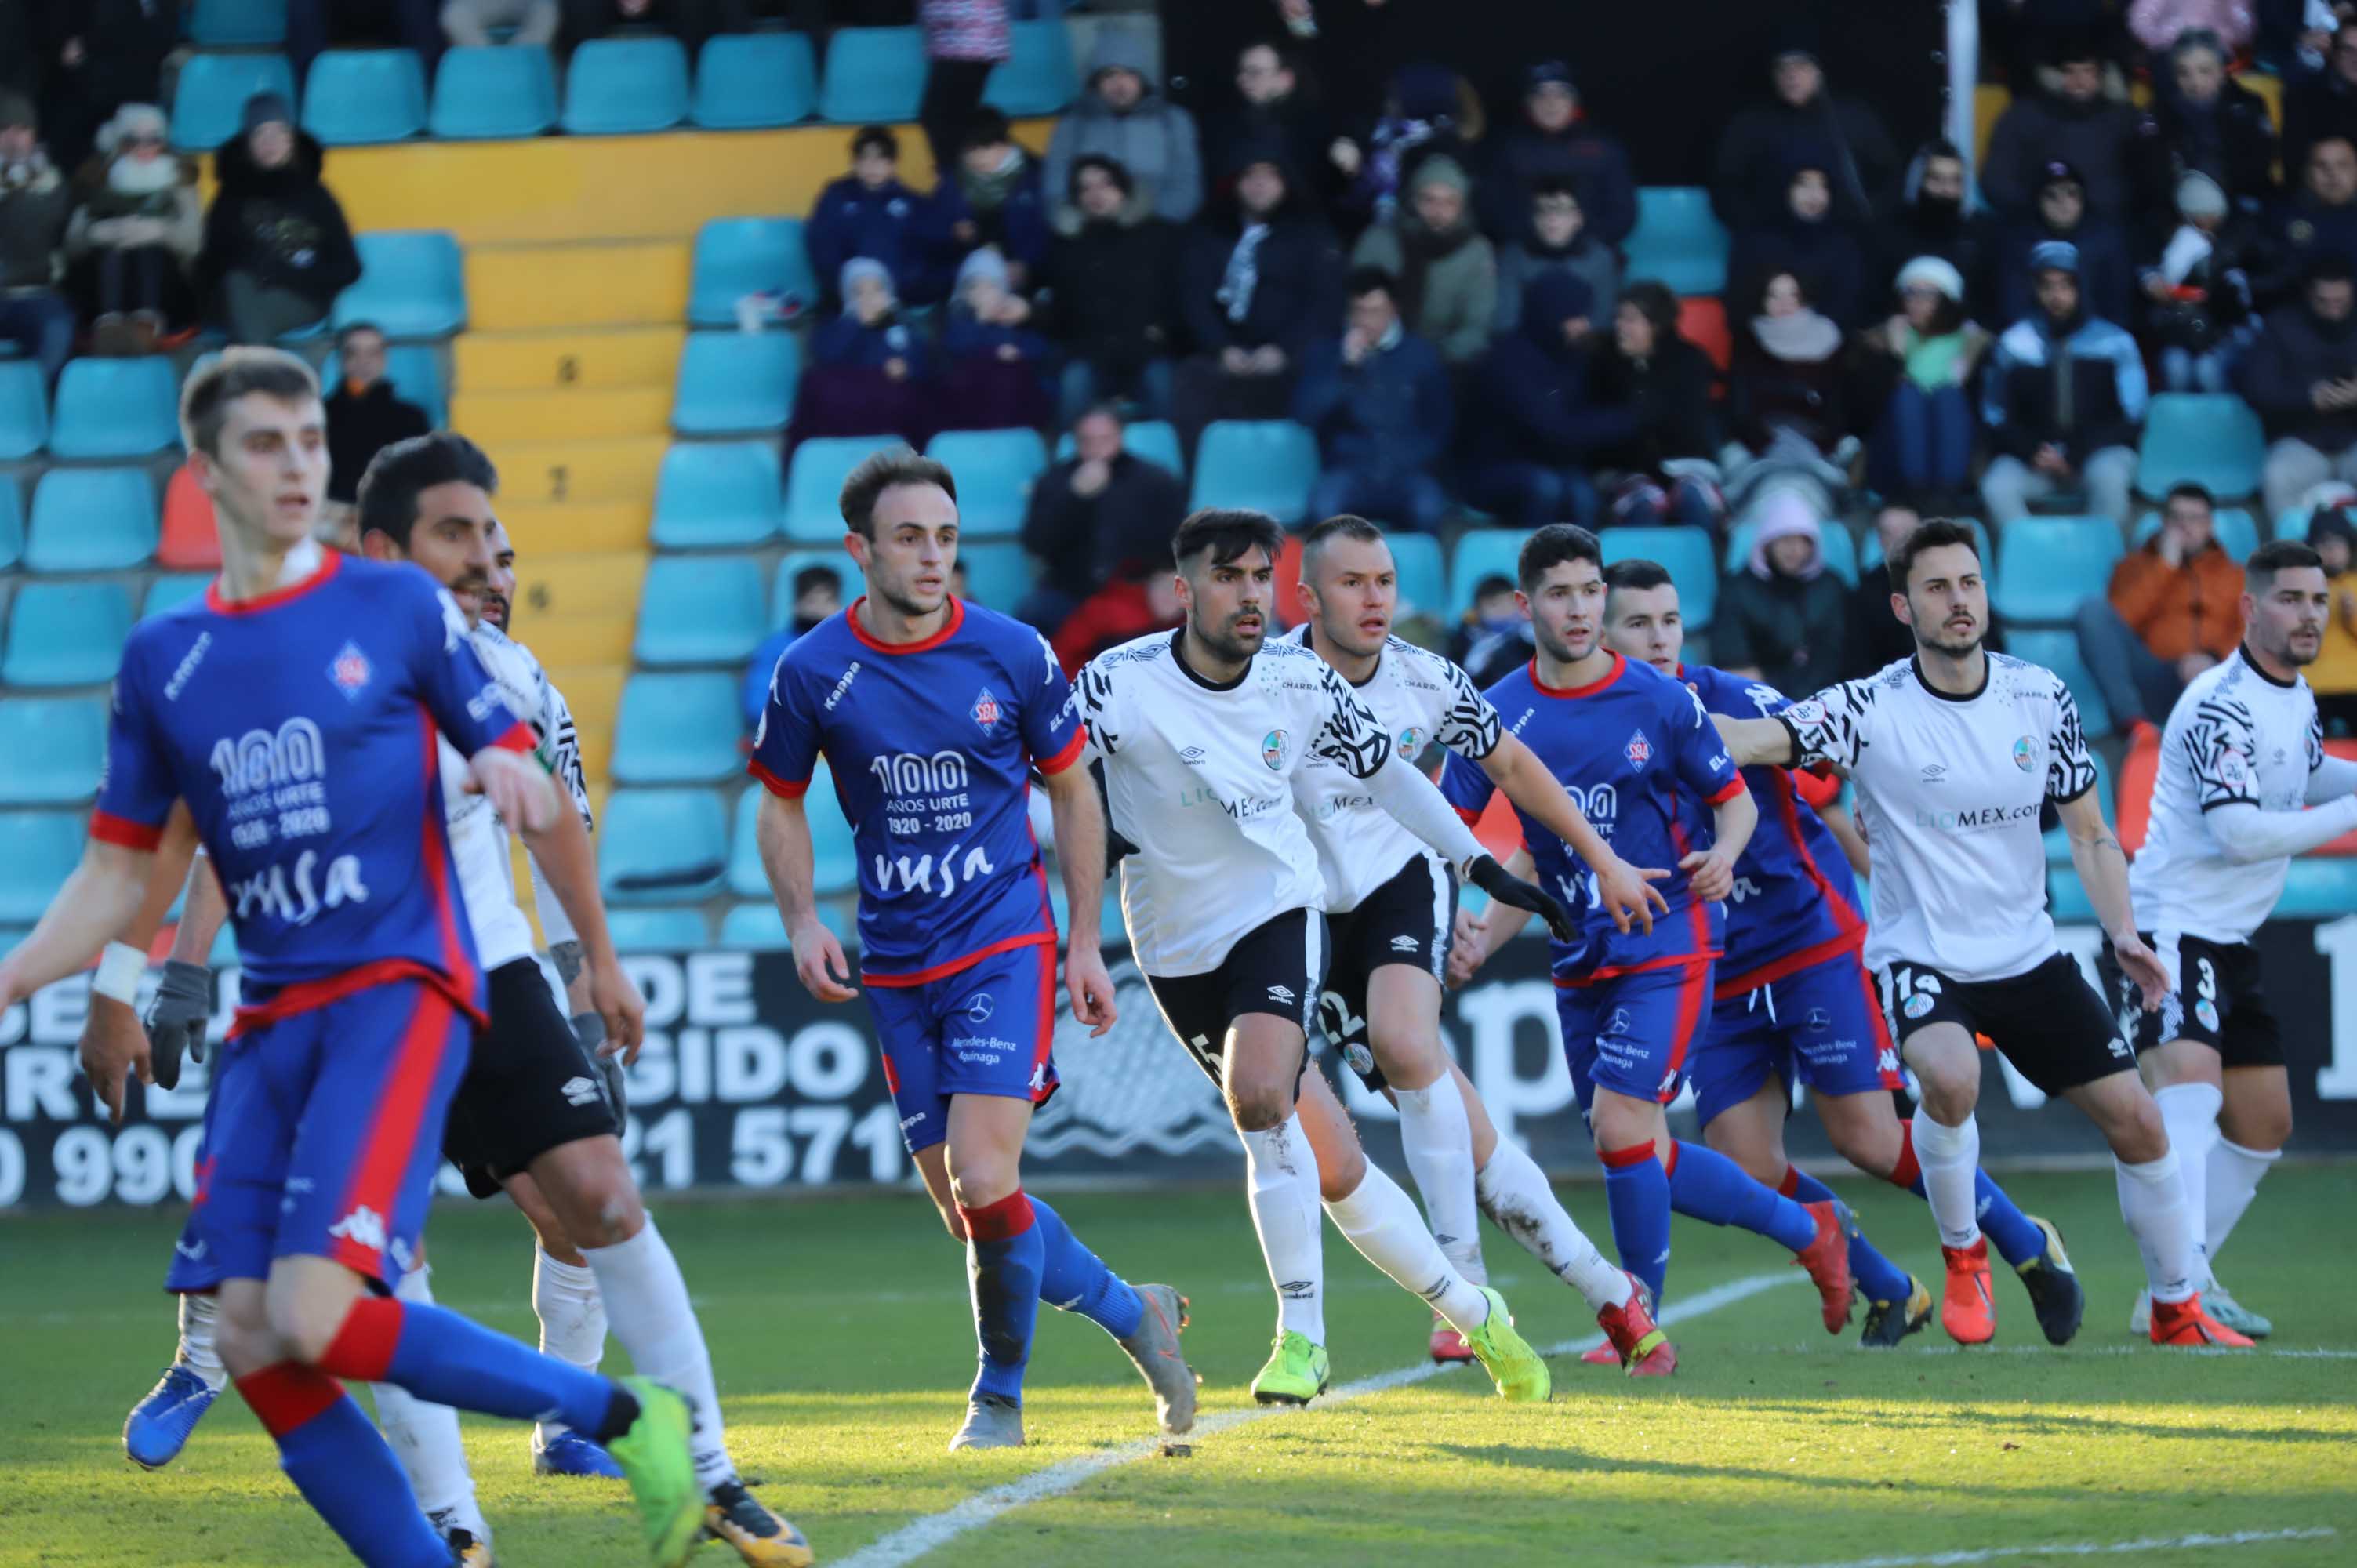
[
  {"x": 987, "y": 128},
  {"x": 345, "y": 333},
  {"x": 1347, "y": 525},
  {"x": 406, "y": 470},
  {"x": 239, "y": 372},
  {"x": 2279, "y": 556},
  {"x": 2186, "y": 490},
  {"x": 1112, "y": 169},
  {"x": 1637, "y": 574},
  {"x": 1551, "y": 546},
  {"x": 1657, "y": 304},
  {"x": 811, "y": 577},
  {"x": 1935, "y": 532},
  {"x": 880, "y": 137},
  {"x": 1492, "y": 583},
  {"x": 1364, "y": 280},
  {"x": 1224, "y": 534},
  {"x": 880, "y": 472},
  {"x": 1553, "y": 185}
]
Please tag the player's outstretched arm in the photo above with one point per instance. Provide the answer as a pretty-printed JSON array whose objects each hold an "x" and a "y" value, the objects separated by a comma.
[
  {"x": 1479, "y": 936},
  {"x": 1711, "y": 872},
  {"x": 1753, "y": 741},
  {"x": 518, "y": 787},
  {"x": 561, "y": 851},
  {"x": 782, "y": 831},
  {"x": 1621, "y": 889},
  {"x": 1081, "y": 856},
  {"x": 2103, "y": 868},
  {"x": 1416, "y": 803}
]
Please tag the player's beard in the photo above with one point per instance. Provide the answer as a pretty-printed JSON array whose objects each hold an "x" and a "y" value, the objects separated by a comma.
[
  {"x": 1558, "y": 649},
  {"x": 1228, "y": 645},
  {"x": 902, "y": 602},
  {"x": 1951, "y": 645}
]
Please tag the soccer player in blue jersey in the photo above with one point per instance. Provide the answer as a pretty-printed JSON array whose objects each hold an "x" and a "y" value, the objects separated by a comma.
[
  {"x": 295, "y": 708},
  {"x": 1794, "y": 1001},
  {"x": 932, "y": 713},
  {"x": 1633, "y": 747}
]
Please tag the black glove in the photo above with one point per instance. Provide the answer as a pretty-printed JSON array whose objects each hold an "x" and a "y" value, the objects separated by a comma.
[
  {"x": 1492, "y": 878},
  {"x": 589, "y": 1028},
  {"x": 176, "y": 1019}
]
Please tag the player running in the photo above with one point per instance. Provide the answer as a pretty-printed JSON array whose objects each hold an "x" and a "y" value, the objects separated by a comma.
[
  {"x": 1203, "y": 733},
  {"x": 1953, "y": 753},
  {"x": 1390, "y": 906},
  {"x": 1794, "y": 1000},
  {"x": 1633, "y": 747},
  {"x": 2241, "y": 755},
  {"x": 931, "y": 712},
  {"x": 295, "y": 708}
]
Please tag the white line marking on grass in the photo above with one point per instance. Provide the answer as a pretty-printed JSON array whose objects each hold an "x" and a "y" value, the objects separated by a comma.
[
  {"x": 2069, "y": 1549},
  {"x": 917, "y": 1537},
  {"x": 2215, "y": 1352}
]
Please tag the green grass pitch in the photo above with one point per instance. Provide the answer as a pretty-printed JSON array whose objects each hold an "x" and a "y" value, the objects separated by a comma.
[{"x": 844, "y": 1348}]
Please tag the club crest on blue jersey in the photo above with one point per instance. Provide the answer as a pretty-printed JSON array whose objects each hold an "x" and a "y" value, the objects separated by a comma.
[
  {"x": 985, "y": 711},
  {"x": 350, "y": 671},
  {"x": 1276, "y": 746},
  {"x": 1638, "y": 751}
]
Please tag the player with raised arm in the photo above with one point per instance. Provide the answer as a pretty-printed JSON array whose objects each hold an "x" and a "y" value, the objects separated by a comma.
[
  {"x": 2242, "y": 754},
  {"x": 297, "y": 708},
  {"x": 1795, "y": 1002},
  {"x": 1953, "y": 752},
  {"x": 1636, "y": 750},
  {"x": 1203, "y": 734},
  {"x": 1390, "y": 907},
  {"x": 931, "y": 712}
]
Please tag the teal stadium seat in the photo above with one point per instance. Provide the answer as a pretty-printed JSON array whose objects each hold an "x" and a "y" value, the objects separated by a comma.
[
  {"x": 172, "y": 590},
  {"x": 2058, "y": 842},
  {"x": 12, "y": 523},
  {"x": 23, "y": 409},
  {"x": 1155, "y": 440},
  {"x": 781, "y": 593},
  {"x": 700, "y": 609},
  {"x": 659, "y": 930},
  {"x": 998, "y": 576},
  {"x": 1678, "y": 240},
  {"x": 414, "y": 369},
  {"x": 116, "y": 408},
  {"x": 2238, "y": 532},
  {"x": 92, "y": 519},
  {"x": 679, "y": 729},
  {"x": 735, "y": 383},
  {"x": 54, "y": 747},
  {"x": 747, "y": 81},
  {"x": 2058, "y": 650},
  {"x": 2211, "y": 439},
  {"x": 413, "y": 284},
  {"x": 210, "y": 101},
  {"x": 996, "y": 470},
  {"x": 2319, "y": 887},
  {"x": 617, "y": 87},
  {"x": 1264, "y": 464},
  {"x": 484, "y": 94},
  {"x": 872, "y": 74},
  {"x": 2067, "y": 900},
  {"x": 238, "y": 22},
  {"x": 38, "y": 850},
  {"x": 1038, "y": 77},
  {"x": 753, "y": 928},
  {"x": 834, "y": 867},
  {"x": 1480, "y": 553},
  {"x": 718, "y": 494},
  {"x": 2050, "y": 564},
  {"x": 353, "y": 96},
  {"x": 1423, "y": 576},
  {"x": 65, "y": 634},
  {"x": 1692, "y": 564},
  {"x": 814, "y": 483},
  {"x": 738, "y": 256},
  {"x": 1841, "y": 549},
  {"x": 659, "y": 846}
]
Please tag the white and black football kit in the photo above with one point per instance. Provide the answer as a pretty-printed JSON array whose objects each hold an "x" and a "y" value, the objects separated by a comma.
[
  {"x": 1389, "y": 898},
  {"x": 1949, "y": 789},
  {"x": 2241, "y": 755}
]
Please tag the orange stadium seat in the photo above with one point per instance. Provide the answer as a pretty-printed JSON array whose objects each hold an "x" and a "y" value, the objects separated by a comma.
[{"x": 190, "y": 542}]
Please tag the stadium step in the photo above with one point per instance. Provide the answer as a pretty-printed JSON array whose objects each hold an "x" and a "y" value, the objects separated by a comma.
[
  {"x": 590, "y": 413},
  {"x": 596, "y": 583},
  {"x": 552, "y": 472},
  {"x": 544, "y": 528},
  {"x": 567, "y": 359},
  {"x": 593, "y": 692},
  {"x": 576, "y": 639},
  {"x": 615, "y": 282}
]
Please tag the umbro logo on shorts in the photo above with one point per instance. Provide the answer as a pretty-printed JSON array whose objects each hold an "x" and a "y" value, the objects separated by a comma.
[
  {"x": 1403, "y": 944},
  {"x": 1281, "y": 993},
  {"x": 578, "y": 1092}
]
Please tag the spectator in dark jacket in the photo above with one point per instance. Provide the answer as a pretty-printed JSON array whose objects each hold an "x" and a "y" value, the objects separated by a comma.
[
  {"x": 1108, "y": 292},
  {"x": 2197, "y": 290},
  {"x": 868, "y": 212},
  {"x": 1787, "y": 389},
  {"x": 995, "y": 365},
  {"x": 993, "y": 198},
  {"x": 1783, "y": 618},
  {"x": 1555, "y": 143},
  {"x": 1828, "y": 256},
  {"x": 2322, "y": 221},
  {"x": 1124, "y": 117},
  {"x": 870, "y": 372},
  {"x": 1933, "y": 221},
  {"x": 2075, "y": 124},
  {"x": 1802, "y": 124},
  {"x": 1275, "y": 109},
  {"x": 1662, "y": 468},
  {"x": 2062, "y": 399},
  {"x": 2062, "y": 213},
  {"x": 1378, "y": 402},
  {"x": 1555, "y": 239},
  {"x": 2301, "y": 377},
  {"x": 365, "y": 415},
  {"x": 2321, "y": 103},
  {"x": 1257, "y": 283},
  {"x": 1447, "y": 273},
  {"x": 277, "y": 250},
  {"x": 818, "y": 594},
  {"x": 1534, "y": 420},
  {"x": 2203, "y": 122},
  {"x": 1096, "y": 517},
  {"x": 35, "y": 203}
]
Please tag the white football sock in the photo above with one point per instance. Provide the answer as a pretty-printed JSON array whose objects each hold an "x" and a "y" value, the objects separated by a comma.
[
  {"x": 2190, "y": 1112},
  {"x": 1281, "y": 1186},
  {"x": 2232, "y": 1181},
  {"x": 1514, "y": 1193},
  {"x": 1438, "y": 1142},
  {"x": 646, "y": 1300},
  {"x": 1950, "y": 1158},
  {"x": 1381, "y": 1221},
  {"x": 2152, "y": 1201},
  {"x": 425, "y": 1438},
  {"x": 199, "y": 1312},
  {"x": 572, "y": 1322}
]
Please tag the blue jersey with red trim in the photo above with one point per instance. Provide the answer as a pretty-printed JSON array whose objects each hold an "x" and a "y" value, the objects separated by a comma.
[
  {"x": 930, "y": 745},
  {"x": 1631, "y": 750},
  {"x": 1795, "y": 903},
  {"x": 300, "y": 728}
]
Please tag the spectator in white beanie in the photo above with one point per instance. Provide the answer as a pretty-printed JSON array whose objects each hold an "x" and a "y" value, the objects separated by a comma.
[{"x": 1923, "y": 444}]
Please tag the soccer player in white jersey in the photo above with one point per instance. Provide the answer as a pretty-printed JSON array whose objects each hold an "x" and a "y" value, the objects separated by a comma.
[
  {"x": 1953, "y": 752},
  {"x": 2242, "y": 757},
  {"x": 1390, "y": 907},
  {"x": 1201, "y": 734}
]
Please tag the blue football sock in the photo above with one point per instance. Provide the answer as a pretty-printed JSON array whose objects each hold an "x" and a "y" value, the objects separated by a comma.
[
  {"x": 444, "y": 1359},
  {"x": 341, "y": 1466},
  {"x": 1877, "y": 1276},
  {"x": 1004, "y": 1254},
  {"x": 2002, "y": 1221},
  {"x": 1706, "y": 1184},
  {"x": 1073, "y": 1279},
  {"x": 1637, "y": 1196}
]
